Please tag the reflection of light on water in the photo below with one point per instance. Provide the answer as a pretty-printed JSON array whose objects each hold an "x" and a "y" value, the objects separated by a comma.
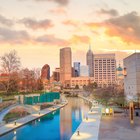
[
  {"x": 77, "y": 115},
  {"x": 14, "y": 138},
  {"x": 15, "y": 132}
]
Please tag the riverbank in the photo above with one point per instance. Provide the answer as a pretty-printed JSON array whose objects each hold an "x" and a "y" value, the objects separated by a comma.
[
  {"x": 20, "y": 122},
  {"x": 89, "y": 128}
]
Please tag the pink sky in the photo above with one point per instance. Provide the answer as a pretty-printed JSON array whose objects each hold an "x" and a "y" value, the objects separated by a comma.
[{"x": 37, "y": 29}]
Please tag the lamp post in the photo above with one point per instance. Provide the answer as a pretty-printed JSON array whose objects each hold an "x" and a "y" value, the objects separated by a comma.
[{"x": 131, "y": 108}]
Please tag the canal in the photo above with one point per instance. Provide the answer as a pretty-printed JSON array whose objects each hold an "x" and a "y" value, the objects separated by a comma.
[{"x": 59, "y": 125}]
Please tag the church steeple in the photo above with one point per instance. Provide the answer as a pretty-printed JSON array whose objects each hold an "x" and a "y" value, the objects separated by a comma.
[{"x": 89, "y": 47}]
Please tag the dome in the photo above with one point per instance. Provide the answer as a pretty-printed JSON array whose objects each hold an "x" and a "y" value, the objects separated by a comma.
[{"x": 119, "y": 69}]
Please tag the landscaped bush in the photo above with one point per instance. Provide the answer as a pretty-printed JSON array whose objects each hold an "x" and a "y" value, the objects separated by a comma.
[
  {"x": 45, "y": 105},
  {"x": 15, "y": 114}
]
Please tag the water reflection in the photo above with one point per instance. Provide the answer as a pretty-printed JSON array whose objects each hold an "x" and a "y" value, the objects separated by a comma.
[
  {"x": 58, "y": 125},
  {"x": 71, "y": 116}
]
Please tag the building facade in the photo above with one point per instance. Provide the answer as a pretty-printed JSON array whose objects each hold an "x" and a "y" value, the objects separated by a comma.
[
  {"x": 132, "y": 76},
  {"x": 81, "y": 81},
  {"x": 76, "y": 69},
  {"x": 45, "y": 72},
  {"x": 90, "y": 62},
  {"x": 56, "y": 75},
  {"x": 84, "y": 70},
  {"x": 65, "y": 66},
  {"x": 105, "y": 69}
]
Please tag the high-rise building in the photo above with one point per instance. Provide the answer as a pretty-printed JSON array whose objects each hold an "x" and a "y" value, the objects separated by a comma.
[
  {"x": 76, "y": 69},
  {"x": 105, "y": 69},
  {"x": 90, "y": 62},
  {"x": 65, "y": 66},
  {"x": 84, "y": 70},
  {"x": 132, "y": 76},
  {"x": 56, "y": 75},
  {"x": 45, "y": 72}
]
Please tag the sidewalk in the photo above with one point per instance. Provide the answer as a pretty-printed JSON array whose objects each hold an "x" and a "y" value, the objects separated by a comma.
[
  {"x": 89, "y": 128},
  {"x": 119, "y": 128}
]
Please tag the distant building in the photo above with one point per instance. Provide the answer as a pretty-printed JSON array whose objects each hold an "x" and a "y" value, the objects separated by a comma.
[
  {"x": 77, "y": 69},
  {"x": 84, "y": 70},
  {"x": 56, "y": 75},
  {"x": 120, "y": 76},
  {"x": 132, "y": 76},
  {"x": 65, "y": 66},
  {"x": 45, "y": 72},
  {"x": 81, "y": 81},
  {"x": 90, "y": 62},
  {"x": 105, "y": 69}
]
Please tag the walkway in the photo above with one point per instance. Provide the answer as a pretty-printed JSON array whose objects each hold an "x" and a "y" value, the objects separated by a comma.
[
  {"x": 89, "y": 128},
  {"x": 11, "y": 126}
]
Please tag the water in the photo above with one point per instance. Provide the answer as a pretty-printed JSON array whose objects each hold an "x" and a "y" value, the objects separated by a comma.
[{"x": 59, "y": 125}]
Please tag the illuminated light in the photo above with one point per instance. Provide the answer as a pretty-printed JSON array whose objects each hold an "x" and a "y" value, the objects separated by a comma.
[
  {"x": 15, "y": 132},
  {"x": 107, "y": 110},
  {"x": 39, "y": 120}
]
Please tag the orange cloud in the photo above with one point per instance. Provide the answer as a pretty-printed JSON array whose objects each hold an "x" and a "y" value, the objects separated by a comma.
[
  {"x": 71, "y": 23},
  {"x": 58, "y": 11},
  {"x": 79, "y": 39},
  {"x": 125, "y": 27}
]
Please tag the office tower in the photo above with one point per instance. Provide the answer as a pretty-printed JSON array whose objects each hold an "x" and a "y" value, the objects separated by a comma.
[
  {"x": 105, "y": 69},
  {"x": 84, "y": 70},
  {"x": 132, "y": 76},
  {"x": 65, "y": 66},
  {"x": 45, "y": 72},
  {"x": 56, "y": 75},
  {"x": 77, "y": 69},
  {"x": 90, "y": 62}
]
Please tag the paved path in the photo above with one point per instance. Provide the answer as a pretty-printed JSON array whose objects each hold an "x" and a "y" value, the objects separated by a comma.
[
  {"x": 119, "y": 128},
  {"x": 20, "y": 122},
  {"x": 89, "y": 128}
]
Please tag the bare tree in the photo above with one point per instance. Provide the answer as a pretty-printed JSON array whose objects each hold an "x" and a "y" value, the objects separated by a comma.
[{"x": 10, "y": 64}]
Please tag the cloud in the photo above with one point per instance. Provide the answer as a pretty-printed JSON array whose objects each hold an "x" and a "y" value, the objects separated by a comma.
[
  {"x": 80, "y": 39},
  {"x": 58, "y": 11},
  {"x": 5, "y": 21},
  {"x": 126, "y": 27},
  {"x": 13, "y": 37},
  {"x": 51, "y": 40},
  {"x": 110, "y": 12},
  {"x": 36, "y": 24},
  {"x": 60, "y": 2},
  {"x": 71, "y": 23}
]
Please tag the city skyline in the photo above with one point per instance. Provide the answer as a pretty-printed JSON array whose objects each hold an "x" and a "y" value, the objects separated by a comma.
[{"x": 109, "y": 26}]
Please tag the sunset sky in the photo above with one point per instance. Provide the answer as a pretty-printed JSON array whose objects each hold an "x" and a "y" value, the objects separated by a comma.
[{"x": 37, "y": 29}]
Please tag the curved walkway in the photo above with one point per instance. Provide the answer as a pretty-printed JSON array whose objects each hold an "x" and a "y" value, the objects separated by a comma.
[{"x": 89, "y": 128}]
